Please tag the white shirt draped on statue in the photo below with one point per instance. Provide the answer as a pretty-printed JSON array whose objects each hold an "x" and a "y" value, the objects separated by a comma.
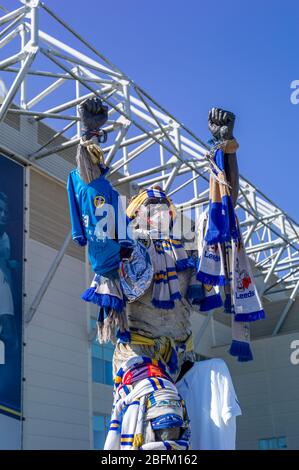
[{"x": 212, "y": 405}]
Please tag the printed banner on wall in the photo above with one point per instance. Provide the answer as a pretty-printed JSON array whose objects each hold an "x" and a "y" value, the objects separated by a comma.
[{"x": 11, "y": 294}]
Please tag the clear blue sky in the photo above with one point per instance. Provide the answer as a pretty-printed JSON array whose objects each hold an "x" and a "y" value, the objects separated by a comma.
[{"x": 196, "y": 54}]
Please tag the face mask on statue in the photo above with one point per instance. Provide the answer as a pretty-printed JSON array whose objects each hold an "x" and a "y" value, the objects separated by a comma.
[{"x": 155, "y": 220}]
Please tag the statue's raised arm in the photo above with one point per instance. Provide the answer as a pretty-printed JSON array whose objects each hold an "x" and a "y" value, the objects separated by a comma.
[{"x": 221, "y": 125}]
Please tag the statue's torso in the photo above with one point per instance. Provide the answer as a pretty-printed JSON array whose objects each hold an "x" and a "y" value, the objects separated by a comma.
[{"x": 144, "y": 318}]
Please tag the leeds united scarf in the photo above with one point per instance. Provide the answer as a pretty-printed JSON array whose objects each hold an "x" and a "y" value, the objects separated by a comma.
[
  {"x": 222, "y": 223},
  {"x": 128, "y": 413},
  {"x": 223, "y": 260},
  {"x": 129, "y": 409},
  {"x": 168, "y": 258}
]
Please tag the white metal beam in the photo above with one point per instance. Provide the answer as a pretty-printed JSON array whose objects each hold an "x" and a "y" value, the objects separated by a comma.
[{"x": 271, "y": 235}]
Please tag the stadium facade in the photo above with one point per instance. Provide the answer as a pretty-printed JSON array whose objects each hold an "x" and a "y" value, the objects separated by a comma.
[{"x": 64, "y": 375}]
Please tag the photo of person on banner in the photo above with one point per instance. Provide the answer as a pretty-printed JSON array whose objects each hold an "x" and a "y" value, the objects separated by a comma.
[{"x": 11, "y": 255}]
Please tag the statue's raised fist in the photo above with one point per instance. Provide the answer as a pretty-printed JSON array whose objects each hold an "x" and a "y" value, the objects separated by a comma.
[
  {"x": 93, "y": 113},
  {"x": 221, "y": 123}
]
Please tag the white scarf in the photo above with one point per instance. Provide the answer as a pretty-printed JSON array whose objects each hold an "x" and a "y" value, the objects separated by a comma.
[
  {"x": 128, "y": 412},
  {"x": 245, "y": 304}
]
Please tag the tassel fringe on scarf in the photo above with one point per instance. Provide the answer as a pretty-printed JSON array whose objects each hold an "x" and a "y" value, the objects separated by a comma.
[{"x": 107, "y": 294}]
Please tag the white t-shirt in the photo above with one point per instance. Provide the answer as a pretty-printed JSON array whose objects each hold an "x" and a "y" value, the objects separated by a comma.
[{"x": 212, "y": 405}]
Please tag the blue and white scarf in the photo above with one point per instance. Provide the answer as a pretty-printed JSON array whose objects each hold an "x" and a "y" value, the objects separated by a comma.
[
  {"x": 222, "y": 225},
  {"x": 129, "y": 409},
  {"x": 168, "y": 258},
  {"x": 223, "y": 260}
]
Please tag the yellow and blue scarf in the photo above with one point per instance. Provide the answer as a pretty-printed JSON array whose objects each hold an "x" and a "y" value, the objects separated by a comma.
[{"x": 168, "y": 258}]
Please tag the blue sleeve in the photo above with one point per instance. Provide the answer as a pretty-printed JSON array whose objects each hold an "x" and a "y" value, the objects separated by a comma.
[
  {"x": 122, "y": 234},
  {"x": 78, "y": 233}
]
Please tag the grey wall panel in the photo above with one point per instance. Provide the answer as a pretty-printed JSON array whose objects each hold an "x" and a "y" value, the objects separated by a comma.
[
  {"x": 49, "y": 214},
  {"x": 57, "y": 386}
]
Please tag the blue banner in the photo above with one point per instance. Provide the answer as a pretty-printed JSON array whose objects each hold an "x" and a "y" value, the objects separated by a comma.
[{"x": 11, "y": 300}]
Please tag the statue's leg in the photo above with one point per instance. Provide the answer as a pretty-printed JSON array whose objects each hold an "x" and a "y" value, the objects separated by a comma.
[
  {"x": 170, "y": 412},
  {"x": 123, "y": 352},
  {"x": 170, "y": 434},
  {"x": 164, "y": 417}
]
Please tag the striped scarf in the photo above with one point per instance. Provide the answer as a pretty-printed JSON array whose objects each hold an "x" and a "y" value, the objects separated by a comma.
[
  {"x": 108, "y": 296},
  {"x": 166, "y": 351},
  {"x": 222, "y": 222},
  {"x": 126, "y": 431},
  {"x": 168, "y": 258},
  {"x": 224, "y": 261},
  {"x": 138, "y": 368}
]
